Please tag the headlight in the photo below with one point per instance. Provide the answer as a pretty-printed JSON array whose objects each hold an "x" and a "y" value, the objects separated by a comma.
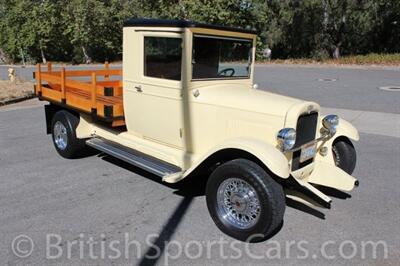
[
  {"x": 286, "y": 138},
  {"x": 331, "y": 122}
]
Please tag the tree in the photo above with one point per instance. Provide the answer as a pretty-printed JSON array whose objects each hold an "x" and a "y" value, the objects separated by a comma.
[
  {"x": 17, "y": 37},
  {"x": 44, "y": 19},
  {"x": 385, "y": 28},
  {"x": 84, "y": 23},
  {"x": 116, "y": 12},
  {"x": 32, "y": 30},
  {"x": 347, "y": 25}
]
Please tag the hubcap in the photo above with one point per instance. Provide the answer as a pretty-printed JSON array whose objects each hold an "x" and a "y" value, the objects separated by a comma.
[
  {"x": 60, "y": 135},
  {"x": 238, "y": 203}
]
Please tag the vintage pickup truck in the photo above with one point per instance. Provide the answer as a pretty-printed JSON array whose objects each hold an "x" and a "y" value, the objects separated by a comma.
[{"x": 184, "y": 104}]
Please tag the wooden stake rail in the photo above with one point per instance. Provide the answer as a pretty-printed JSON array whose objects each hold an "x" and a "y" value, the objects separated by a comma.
[{"x": 101, "y": 98}]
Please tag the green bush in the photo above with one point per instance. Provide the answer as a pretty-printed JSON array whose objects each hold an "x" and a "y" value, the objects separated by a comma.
[{"x": 91, "y": 30}]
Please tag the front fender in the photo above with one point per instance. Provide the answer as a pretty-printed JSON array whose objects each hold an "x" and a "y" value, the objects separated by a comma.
[
  {"x": 270, "y": 156},
  {"x": 347, "y": 130}
]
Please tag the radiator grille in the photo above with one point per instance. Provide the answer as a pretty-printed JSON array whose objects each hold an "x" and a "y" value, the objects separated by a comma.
[{"x": 305, "y": 132}]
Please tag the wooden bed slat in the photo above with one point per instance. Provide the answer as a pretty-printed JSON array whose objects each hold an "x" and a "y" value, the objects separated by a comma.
[
  {"x": 51, "y": 94},
  {"x": 83, "y": 95}
]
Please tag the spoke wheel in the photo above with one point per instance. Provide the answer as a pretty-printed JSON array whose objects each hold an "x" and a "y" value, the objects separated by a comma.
[
  {"x": 238, "y": 203},
  {"x": 244, "y": 201}
]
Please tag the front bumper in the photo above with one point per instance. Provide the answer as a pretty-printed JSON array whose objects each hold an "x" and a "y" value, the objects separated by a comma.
[
  {"x": 329, "y": 175},
  {"x": 326, "y": 174},
  {"x": 323, "y": 172}
]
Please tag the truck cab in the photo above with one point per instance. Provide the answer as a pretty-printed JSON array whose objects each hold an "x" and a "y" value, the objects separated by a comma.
[
  {"x": 168, "y": 69},
  {"x": 186, "y": 103}
]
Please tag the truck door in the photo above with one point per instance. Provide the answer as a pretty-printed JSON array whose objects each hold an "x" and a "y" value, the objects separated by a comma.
[{"x": 153, "y": 96}]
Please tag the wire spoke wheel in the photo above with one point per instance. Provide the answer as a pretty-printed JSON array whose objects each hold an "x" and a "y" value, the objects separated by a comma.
[
  {"x": 244, "y": 201},
  {"x": 238, "y": 203}
]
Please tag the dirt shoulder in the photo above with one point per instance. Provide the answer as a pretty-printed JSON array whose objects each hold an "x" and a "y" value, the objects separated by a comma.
[{"x": 15, "y": 91}]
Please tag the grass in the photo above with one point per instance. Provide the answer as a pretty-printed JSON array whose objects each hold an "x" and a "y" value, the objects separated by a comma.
[
  {"x": 370, "y": 59},
  {"x": 15, "y": 90}
]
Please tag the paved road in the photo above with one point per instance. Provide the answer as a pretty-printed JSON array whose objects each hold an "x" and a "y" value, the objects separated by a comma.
[
  {"x": 348, "y": 88},
  {"x": 68, "y": 202}
]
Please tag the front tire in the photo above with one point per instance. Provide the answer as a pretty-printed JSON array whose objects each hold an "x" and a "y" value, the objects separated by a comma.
[
  {"x": 244, "y": 201},
  {"x": 344, "y": 155},
  {"x": 63, "y": 127}
]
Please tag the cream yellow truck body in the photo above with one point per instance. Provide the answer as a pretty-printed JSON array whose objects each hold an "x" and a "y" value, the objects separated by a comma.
[
  {"x": 184, "y": 122},
  {"x": 187, "y": 106}
]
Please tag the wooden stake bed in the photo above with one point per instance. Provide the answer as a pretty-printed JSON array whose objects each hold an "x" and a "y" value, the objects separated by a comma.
[{"x": 100, "y": 96}]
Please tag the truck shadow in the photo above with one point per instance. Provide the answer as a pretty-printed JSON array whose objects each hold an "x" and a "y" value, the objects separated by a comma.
[
  {"x": 304, "y": 208},
  {"x": 134, "y": 169},
  {"x": 155, "y": 251},
  {"x": 308, "y": 205},
  {"x": 182, "y": 189},
  {"x": 333, "y": 192},
  {"x": 188, "y": 189}
]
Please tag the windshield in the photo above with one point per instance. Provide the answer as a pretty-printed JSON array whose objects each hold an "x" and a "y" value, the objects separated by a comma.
[{"x": 221, "y": 58}]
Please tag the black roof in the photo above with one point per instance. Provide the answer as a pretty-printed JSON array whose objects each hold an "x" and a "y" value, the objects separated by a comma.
[{"x": 149, "y": 22}]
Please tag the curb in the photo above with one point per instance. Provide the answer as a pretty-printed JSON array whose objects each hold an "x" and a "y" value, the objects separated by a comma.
[
  {"x": 337, "y": 66},
  {"x": 390, "y": 88},
  {"x": 17, "y": 100}
]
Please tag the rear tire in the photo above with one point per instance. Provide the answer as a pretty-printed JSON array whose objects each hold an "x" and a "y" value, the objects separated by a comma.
[
  {"x": 244, "y": 201},
  {"x": 344, "y": 155},
  {"x": 63, "y": 129}
]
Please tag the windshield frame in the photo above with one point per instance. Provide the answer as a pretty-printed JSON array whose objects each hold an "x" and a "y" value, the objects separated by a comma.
[{"x": 250, "y": 39}]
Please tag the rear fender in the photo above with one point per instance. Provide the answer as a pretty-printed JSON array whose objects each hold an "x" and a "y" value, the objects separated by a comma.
[
  {"x": 49, "y": 110},
  {"x": 84, "y": 129}
]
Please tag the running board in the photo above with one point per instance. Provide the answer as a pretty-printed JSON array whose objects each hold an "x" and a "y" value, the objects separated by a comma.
[{"x": 134, "y": 157}]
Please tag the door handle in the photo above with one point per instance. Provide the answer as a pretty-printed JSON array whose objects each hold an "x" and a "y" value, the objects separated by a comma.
[
  {"x": 196, "y": 93},
  {"x": 138, "y": 88}
]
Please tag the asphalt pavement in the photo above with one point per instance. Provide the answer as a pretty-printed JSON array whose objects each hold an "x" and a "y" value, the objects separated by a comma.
[
  {"x": 335, "y": 87},
  {"x": 54, "y": 210}
]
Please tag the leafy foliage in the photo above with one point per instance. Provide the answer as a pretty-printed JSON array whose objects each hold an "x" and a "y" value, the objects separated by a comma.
[{"x": 91, "y": 30}]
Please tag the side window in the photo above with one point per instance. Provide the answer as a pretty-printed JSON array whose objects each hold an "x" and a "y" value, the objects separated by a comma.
[{"x": 162, "y": 57}]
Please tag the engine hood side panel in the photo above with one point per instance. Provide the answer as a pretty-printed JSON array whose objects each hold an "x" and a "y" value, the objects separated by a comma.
[{"x": 242, "y": 97}]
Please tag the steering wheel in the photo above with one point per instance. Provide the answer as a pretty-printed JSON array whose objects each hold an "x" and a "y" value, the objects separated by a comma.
[{"x": 224, "y": 72}]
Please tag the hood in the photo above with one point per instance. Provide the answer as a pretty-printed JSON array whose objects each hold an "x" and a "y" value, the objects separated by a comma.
[{"x": 242, "y": 97}]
